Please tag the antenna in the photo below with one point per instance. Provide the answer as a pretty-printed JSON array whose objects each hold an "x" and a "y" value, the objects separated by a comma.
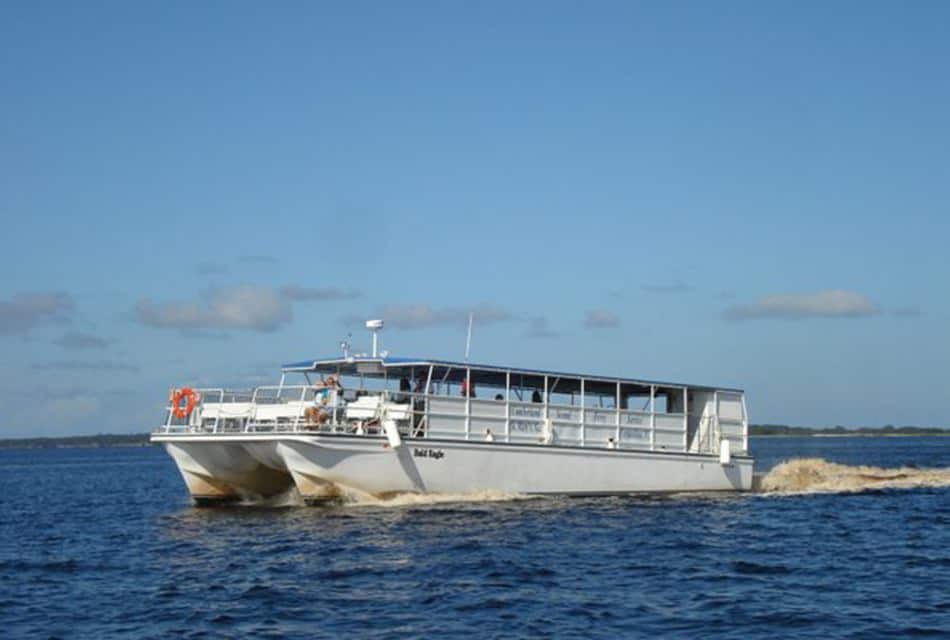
[
  {"x": 468, "y": 341},
  {"x": 345, "y": 345},
  {"x": 375, "y": 326}
]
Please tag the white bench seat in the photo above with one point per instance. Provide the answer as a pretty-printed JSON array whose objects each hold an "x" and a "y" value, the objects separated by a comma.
[
  {"x": 364, "y": 408},
  {"x": 397, "y": 411},
  {"x": 282, "y": 411},
  {"x": 226, "y": 410}
]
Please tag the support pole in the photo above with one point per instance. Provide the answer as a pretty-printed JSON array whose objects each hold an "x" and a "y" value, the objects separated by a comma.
[
  {"x": 508, "y": 406},
  {"x": 617, "y": 407},
  {"x": 468, "y": 403},
  {"x": 685, "y": 419},
  {"x": 583, "y": 416},
  {"x": 652, "y": 417}
]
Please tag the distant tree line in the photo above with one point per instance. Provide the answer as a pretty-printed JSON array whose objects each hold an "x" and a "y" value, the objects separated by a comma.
[
  {"x": 100, "y": 440},
  {"x": 838, "y": 430}
]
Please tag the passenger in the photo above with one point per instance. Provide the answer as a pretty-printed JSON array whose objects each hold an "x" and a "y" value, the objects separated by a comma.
[
  {"x": 467, "y": 389},
  {"x": 404, "y": 388},
  {"x": 316, "y": 415},
  {"x": 488, "y": 436},
  {"x": 611, "y": 444},
  {"x": 332, "y": 382},
  {"x": 547, "y": 432},
  {"x": 499, "y": 397},
  {"x": 536, "y": 396},
  {"x": 321, "y": 393},
  {"x": 334, "y": 393}
]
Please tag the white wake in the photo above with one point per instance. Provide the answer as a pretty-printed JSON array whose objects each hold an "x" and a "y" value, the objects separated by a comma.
[
  {"x": 354, "y": 498},
  {"x": 816, "y": 475}
]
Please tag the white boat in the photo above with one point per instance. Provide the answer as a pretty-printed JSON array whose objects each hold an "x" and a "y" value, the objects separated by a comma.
[{"x": 378, "y": 424}]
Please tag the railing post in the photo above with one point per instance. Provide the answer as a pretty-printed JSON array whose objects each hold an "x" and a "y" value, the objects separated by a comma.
[
  {"x": 547, "y": 399},
  {"x": 745, "y": 427},
  {"x": 428, "y": 401},
  {"x": 583, "y": 417},
  {"x": 300, "y": 409},
  {"x": 508, "y": 406},
  {"x": 617, "y": 407},
  {"x": 412, "y": 401},
  {"x": 251, "y": 418},
  {"x": 685, "y": 419},
  {"x": 718, "y": 435},
  {"x": 468, "y": 403},
  {"x": 652, "y": 417},
  {"x": 171, "y": 411}
]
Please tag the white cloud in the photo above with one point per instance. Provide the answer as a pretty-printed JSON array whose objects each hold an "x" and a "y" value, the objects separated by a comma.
[
  {"x": 677, "y": 286},
  {"x": 423, "y": 316},
  {"x": 257, "y": 259},
  {"x": 210, "y": 269},
  {"x": 601, "y": 319},
  {"x": 69, "y": 410},
  {"x": 25, "y": 311},
  {"x": 303, "y": 294},
  {"x": 821, "y": 304},
  {"x": 908, "y": 312},
  {"x": 252, "y": 308},
  {"x": 81, "y": 365},
  {"x": 79, "y": 340},
  {"x": 539, "y": 327}
]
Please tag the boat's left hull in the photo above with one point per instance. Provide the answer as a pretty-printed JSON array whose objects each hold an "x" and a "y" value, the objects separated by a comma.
[{"x": 216, "y": 472}]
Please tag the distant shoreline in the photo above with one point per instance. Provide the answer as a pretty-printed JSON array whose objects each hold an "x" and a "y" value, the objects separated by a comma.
[
  {"x": 755, "y": 430},
  {"x": 937, "y": 433},
  {"x": 78, "y": 442},
  {"x": 781, "y": 430}
]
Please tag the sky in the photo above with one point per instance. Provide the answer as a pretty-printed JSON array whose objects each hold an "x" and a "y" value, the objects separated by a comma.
[{"x": 742, "y": 194}]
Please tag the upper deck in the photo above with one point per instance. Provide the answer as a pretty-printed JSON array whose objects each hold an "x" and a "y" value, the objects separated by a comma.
[
  {"x": 437, "y": 399},
  {"x": 395, "y": 366}
]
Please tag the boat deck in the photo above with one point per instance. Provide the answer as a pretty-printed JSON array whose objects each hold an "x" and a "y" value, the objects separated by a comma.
[{"x": 717, "y": 416}]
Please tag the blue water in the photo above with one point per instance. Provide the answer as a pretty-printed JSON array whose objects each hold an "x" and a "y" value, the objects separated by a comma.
[{"x": 101, "y": 543}]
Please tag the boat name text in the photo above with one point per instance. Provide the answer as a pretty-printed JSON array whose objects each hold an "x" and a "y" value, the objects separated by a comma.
[{"x": 436, "y": 454}]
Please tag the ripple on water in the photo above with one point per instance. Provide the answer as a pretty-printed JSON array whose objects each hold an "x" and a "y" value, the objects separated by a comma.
[{"x": 803, "y": 561}]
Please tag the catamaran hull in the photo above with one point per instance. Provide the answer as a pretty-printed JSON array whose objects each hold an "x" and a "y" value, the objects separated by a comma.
[
  {"x": 225, "y": 471},
  {"x": 320, "y": 466}
]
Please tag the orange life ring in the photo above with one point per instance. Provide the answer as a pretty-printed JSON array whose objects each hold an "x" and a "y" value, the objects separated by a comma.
[{"x": 190, "y": 397}]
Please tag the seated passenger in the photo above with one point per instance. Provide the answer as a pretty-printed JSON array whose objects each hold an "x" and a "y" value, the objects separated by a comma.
[
  {"x": 499, "y": 397},
  {"x": 316, "y": 415},
  {"x": 333, "y": 383},
  {"x": 321, "y": 392},
  {"x": 536, "y": 396}
]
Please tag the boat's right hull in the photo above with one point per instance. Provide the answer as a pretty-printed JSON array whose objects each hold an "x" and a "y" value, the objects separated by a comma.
[
  {"x": 427, "y": 466},
  {"x": 321, "y": 465}
]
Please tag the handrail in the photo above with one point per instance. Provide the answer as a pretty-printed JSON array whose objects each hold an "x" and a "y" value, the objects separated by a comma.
[{"x": 700, "y": 430}]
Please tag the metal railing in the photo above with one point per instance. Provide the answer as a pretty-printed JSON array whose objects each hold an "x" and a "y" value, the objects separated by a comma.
[{"x": 284, "y": 409}]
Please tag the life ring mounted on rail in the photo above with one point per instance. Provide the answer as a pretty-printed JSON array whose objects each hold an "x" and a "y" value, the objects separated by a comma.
[{"x": 191, "y": 398}]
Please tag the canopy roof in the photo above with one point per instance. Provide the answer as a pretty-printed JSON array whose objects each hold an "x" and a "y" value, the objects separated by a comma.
[{"x": 494, "y": 375}]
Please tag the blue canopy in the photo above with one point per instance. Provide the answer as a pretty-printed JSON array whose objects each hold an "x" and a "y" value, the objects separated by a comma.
[{"x": 349, "y": 366}]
